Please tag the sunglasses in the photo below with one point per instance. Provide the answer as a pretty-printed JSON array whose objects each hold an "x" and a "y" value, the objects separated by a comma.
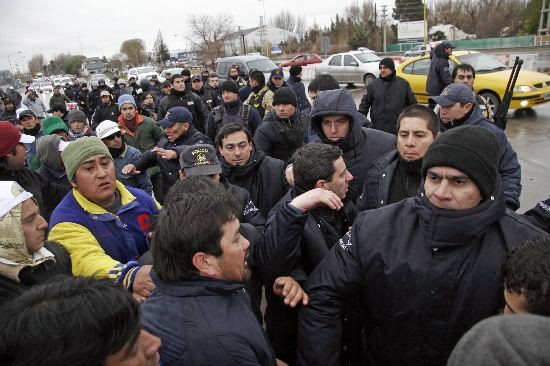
[{"x": 112, "y": 137}]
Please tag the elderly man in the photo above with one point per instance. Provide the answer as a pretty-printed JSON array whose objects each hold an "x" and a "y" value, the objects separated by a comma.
[
  {"x": 26, "y": 258},
  {"x": 426, "y": 268},
  {"x": 397, "y": 174},
  {"x": 103, "y": 224},
  {"x": 458, "y": 108}
]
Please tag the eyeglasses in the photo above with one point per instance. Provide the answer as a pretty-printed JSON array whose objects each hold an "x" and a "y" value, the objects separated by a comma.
[{"x": 112, "y": 137}]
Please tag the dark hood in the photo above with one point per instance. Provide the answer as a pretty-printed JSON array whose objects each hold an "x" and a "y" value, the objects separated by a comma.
[
  {"x": 338, "y": 101},
  {"x": 231, "y": 172},
  {"x": 47, "y": 148}
]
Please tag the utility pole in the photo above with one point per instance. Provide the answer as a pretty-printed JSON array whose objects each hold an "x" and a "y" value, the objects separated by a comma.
[{"x": 384, "y": 10}]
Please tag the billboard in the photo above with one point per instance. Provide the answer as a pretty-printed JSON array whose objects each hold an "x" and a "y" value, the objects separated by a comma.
[{"x": 410, "y": 30}]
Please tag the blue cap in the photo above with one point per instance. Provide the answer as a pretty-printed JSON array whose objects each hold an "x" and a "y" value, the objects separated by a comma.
[
  {"x": 277, "y": 74},
  {"x": 454, "y": 93},
  {"x": 175, "y": 115}
]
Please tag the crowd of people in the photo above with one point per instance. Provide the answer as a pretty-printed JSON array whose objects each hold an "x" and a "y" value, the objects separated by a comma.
[{"x": 151, "y": 224}]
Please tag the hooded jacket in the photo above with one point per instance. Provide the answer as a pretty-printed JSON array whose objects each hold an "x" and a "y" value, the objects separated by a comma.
[
  {"x": 300, "y": 90},
  {"x": 231, "y": 112},
  {"x": 47, "y": 149},
  {"x": 508, "y": 165},
  {"x": 439, "y": 75},
  {"x": 262, "y": 176},
  {"x": 203, "y": 321},
  {"x": 425, "y": 276},
  {"x": 361, "y": 146},
  {"x": 105, "y": 112}
]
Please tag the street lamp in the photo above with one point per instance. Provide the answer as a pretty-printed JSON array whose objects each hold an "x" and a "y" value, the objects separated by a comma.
[{"x": 9, "y": 60}]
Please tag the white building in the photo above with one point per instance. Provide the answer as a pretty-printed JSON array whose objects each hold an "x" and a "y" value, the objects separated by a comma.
[
  {"x": 451, "y": 32},
  {"x": 252, "y": 37}
]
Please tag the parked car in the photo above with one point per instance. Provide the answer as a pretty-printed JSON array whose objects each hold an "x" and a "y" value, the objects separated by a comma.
[
  {"x": 419, "y": 50},
  {"x": 172, "y": 71},
  {"x": 303, "y": 60},
  {"x": 247, "y": 63},
  {"x": 45, "y": 87},
  {"x": 532, "y": 88},
  {"x": 142, "y": 72},
  {"x": 350, "y": 67}
]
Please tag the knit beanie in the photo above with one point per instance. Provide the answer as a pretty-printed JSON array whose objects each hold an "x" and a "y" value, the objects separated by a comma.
[
  {"x": 473, "y": 150},
  {"x": 285, "y": 95},
  {"x": 125, "y": 99},
  {"x": 388, "y": 62},
  {"x": 230, "y": 86},
  {"x": 295, "y": 70},
  {"x": 77, "y": 115},
  {"x": 53, "y": 124},
  {"x": 79, "y": 150}
]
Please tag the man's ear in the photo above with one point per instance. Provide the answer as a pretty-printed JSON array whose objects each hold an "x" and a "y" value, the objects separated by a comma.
[
  {"x": 73, "y": 183},
  {"x": 204, "y": 264},
  {"x": 321, "y": 183}
]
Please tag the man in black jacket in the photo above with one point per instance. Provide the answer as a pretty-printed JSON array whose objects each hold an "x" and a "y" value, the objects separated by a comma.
[
  {"x": 427, "y": 268},
  {"x": 180, "y": 131},
  {"x": 295, "y": 82},
  {"x": 181, "y": 97},
  {"x": 386, "y": 97},
  {"x": 397, "y": 174},
  {"x": 247, "y": 167},
  {"x": 107, "y": 110},
  {"x": 439, "y": 75},
  {"x": 212, "y": 96}
]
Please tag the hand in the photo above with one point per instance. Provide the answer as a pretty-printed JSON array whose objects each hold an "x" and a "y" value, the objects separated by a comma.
[
  {"x": 280, "y": 363},
  {"x": 165, "y": 154},
  {"x": 315, "y": 198},
  {"x": 289, "y": 174},
  {"x": 143, "y": 284},
  {"x": 130, "y": 169},
  {"x": 288, "y": 288}
]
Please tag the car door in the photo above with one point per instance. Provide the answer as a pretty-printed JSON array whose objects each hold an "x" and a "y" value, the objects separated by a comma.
[
  {"x": 416, "y": 73},
  {"x": 299, "y": 60},
  {"x": 335, "y": 67},
  {"x": 351, "y": 73}
]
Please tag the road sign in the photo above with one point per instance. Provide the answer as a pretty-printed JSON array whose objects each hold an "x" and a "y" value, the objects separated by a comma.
[{"x": 325, "y": 44}]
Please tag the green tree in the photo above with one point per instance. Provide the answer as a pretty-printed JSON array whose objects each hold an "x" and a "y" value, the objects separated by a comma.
[
  {"x": 134, "y": 50},
  {"x": 531, "y": 17},
  {"x": 160, "y": 49},
  {"x": 408, "y": 10}
]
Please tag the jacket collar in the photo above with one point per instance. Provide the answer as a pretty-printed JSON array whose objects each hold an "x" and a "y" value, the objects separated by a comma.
[
  {"x": 126, "y": 198},
  {"x": 196, "y": 285}
]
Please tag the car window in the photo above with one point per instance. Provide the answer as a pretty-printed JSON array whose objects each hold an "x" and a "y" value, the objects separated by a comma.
[
  {"x": 336, "y": 61},
  {"x": 409, "y": 68},
  {"x": 421, "y": 67},
  {"x": 482, "y": 63},
  {"x": 223, "y": 68},
  {"x": 308, "y": 57},
  {"x": 367, "y": 57},
  {"x": 299, "y": 58},
  {"x": 263, "y": 65},
  {"x": 349, "y": 61}
]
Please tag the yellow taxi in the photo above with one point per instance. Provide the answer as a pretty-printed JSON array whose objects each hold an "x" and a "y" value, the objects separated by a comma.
[{"x": 532, "y": 88}]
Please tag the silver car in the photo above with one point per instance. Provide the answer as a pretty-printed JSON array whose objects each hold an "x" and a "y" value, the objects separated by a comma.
[{"x": 350, "y": 67}]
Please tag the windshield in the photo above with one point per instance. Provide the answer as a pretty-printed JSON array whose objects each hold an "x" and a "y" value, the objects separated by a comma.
[
  {"x": 143, "y": 70},
  {"x": 264, "y": 65},
  {"x": 66, "y": 80},
  {"x": 367, "y": 57},
  {"x": 482, "y": 63}
]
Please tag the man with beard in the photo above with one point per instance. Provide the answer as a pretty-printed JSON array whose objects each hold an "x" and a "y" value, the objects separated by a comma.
[
  {"x": 261, "y": 96},
  {"x": 32, "y": 102},
  {"x": 397, "y": 174},
  {"x": 232, "y": 110},
  {"x": 212, "y": 96},
  {"x": 426, "y": 268},
  {"x": 123, "y": 155},
  {"x": 180, "y": 131},
  {"x": 57, "y": 97},
  {"x": 295, "y": 82},
  {"x": 181, "y": 97},
  {"x": 9, "y": 113},
  {"x": 248, "y": 167},
  {"x": 103, "y": 224},
  {"x": 107, "y": 110},
  {"x": 197, "y": 85},
  {"x": 386, "y": 97}
]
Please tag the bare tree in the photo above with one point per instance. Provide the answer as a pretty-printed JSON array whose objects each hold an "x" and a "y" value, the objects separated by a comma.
[
  {"x": 36, "y": 64},
  {"x": 300, "y": 27},
  {"x": 117, "y": 61},
  {"x": 209, "y": 33},
  {"x": 134, "y": 50},
  {"x": 284, "y": 20}
]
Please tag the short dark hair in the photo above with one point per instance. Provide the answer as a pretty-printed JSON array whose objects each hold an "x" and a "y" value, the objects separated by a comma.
[
  {"x": 174, "y": 77},
  {"x": 231, "y": 128},
  {"x": 424, "y": 113},
  {"x": 89, "y": 319},
  {"x": 313, "y": 162},
  {"x": 203, "y": 206},
  {"x": 463, "y": 67},
  {"x": 144, "y": 95},
  {"x": 4, "y": 159},
  {"x": 527, "y": 268},
  {"x": 322, "y": 83},
  {"x": 257, "y": 76},
  {"x": 213, "y": 75}
]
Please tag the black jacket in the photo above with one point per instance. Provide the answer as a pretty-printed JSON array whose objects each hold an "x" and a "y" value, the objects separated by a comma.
[
  {"x": 212, "y": 97},
  {"x": 38, "y": 274},
  {"x": 231, "y": 112},
  {"x": 262, "y": 176},
  {"x": 508, "y": 165},
  {"x": 47, "y": 194},
  {"x": 203, "y": 321},
  {"x": 439, "y": 75},
  {"x": 300, "y": 90},
  {"x": 6, "y": 115},
  {"x": 170, "y": 168},
  {"x": 188, "y": 100},
  {"x": 94, "y": 99},
  {"x": 280, "y": 138},
  {"x": 386, "y": 98},
  {"x": 361, "y": 147},
  {"x": 425, "y": 275},
  {"x": 105, "y": 112},
  {"x": 250, "y": 213},
  {"x": 55, "y": 176},
  {"x": 272, "y": 86},
  {"x": 540, "y": 215}
]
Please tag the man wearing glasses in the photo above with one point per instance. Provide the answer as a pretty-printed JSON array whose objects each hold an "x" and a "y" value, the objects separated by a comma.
[{"x": 123, "y": 155}]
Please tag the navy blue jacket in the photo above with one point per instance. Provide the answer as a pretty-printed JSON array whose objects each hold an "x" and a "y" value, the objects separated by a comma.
[
  {"x": 361, "y": 147},
  {"x": 203, "y": 321},
  {"x": 300, "y": 90},
  {"x": 376, "y": 190},
  {"x": 232, "y": 112},
  {"x": 425, "y": 275},
  {"x": 508, "y": 165},
  {"x": 439, "y": 75}
]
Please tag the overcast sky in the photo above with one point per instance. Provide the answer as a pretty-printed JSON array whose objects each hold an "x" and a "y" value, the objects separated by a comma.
[{"x": 98, "y": 27}]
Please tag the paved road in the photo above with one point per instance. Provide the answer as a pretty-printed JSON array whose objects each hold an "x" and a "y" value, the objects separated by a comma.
[{"x": 529, "y": 134}]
